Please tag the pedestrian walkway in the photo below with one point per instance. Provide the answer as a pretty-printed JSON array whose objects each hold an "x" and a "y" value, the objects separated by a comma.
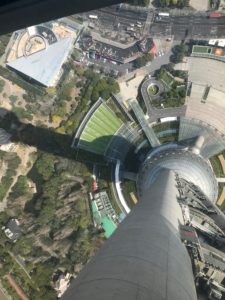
[
  {"x": 222, "y": 197},
  {"x": 221, "y": 179},
  {"x": 222, "y": 161},
  {"x": 149, "y": 132}
]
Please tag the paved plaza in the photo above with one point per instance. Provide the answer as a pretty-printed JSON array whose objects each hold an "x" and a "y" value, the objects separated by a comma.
[
  {"x": 207, "y": 98},
  {"x": 207, "y": 71},
  {"x": 201, "y": 5}
]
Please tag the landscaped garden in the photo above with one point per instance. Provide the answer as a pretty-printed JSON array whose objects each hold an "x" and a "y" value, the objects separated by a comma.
[{"x": 153, "y": 90}]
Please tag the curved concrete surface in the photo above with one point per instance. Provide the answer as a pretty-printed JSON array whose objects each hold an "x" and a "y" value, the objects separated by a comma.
[
  {"x": 153, "y": 112},
  {"x": 144, "y": 258},
  {"x": 186, "y": 164}
]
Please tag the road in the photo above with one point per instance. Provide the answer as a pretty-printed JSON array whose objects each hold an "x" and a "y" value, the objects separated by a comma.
[
  {"x": 188, "y": 26},
  {"x": 119, "y": 17},
  {"x": 111, "y": 67},
  {"x": 180, "y": 24}
]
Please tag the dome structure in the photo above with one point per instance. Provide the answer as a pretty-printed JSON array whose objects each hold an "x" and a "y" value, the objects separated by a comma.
[{"x": 188, "y": 165}]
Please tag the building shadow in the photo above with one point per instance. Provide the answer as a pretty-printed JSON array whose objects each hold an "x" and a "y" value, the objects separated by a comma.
[{"x": 49, "y": 141}]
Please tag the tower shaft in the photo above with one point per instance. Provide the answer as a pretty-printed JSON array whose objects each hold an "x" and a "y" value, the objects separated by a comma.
[{"x": 144, "y": 258}]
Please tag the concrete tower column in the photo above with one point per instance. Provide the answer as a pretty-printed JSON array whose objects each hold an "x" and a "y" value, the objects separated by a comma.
[{"x": 144, "y": 258}]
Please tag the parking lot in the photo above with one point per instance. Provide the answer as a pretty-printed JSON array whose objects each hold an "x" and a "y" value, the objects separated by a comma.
[{"x": 163, "y": 45}]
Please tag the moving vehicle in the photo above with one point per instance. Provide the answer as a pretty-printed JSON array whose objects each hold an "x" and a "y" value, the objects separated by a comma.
[
  {"x": 163, "y": 14},
  {"x": 93, "y": 17},
  {"x": 215, "y": 15}
]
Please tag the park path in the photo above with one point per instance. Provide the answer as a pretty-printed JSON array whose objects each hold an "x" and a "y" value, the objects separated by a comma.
[{"x": 3, "y": 296}]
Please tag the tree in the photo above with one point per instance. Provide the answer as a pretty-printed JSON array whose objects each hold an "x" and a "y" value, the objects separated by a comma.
[
  {"x": 140, "y": 2},
  {"x": 66, "y": 90},
  {"x": 173, "y": 3},
  {"x": 75, "y": 54},
  {"x": 43, "y": 273},
  {"x": 23, "y": 246},
  {"x": 46, "y": 165},
  {"x": 12, "y": 98},
  {"x": 2, "y": 84},
  {"x": 79, "y": 71},
  {"x": 179, "y": 52},
  {"x": 3, "y": 217},
  {"x": 46, "y": 292},
  {"x": 169, "y": 67},
  {"x": 143, "y": 60},
  {"x": 20, "y": 187}
]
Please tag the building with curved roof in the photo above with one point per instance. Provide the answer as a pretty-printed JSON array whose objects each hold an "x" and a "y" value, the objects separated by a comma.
[
  {"x": 44, "y": 66},
  {"x": 187, "y": 164}
]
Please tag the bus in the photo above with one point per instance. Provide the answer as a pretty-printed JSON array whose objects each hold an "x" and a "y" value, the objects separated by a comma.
[
  {"x": 93, "y": 17},
  {"x": 130, "y": 29},
  {"x": 163, "y": 14},
  {"x": 168, "y": 119}
]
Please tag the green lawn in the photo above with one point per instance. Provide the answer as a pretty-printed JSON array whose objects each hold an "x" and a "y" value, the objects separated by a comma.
[
  {"x": 94, "y": 146},
  {"x": 216, "y": 165},
  {"x": 153, "y": 90},
  {"x": 102, "y": 129},
  {"x": 207, "y": 50},
  {"x": 200, "y": 49},
  {"x": 166, "y": 126},
  {"x": 167, "y": 78},
  {"x": 109, "y": 115},
  {"x": 168, "y": 138},
  {"x": 129, "y": 187},
  {"x": 105, "y": 120},
  {"x": 99, "y": 130}
]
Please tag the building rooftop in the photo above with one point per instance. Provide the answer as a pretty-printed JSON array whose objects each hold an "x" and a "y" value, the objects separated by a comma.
[
  {"x": 13, "y": 230},
  {"x": 4, "y": 137},
  {"x": 111, "y": 52},
  {"x": 44, "y": 66},
  {"x": 62, "y": 284},
  {"x": 103, "y": 213}
]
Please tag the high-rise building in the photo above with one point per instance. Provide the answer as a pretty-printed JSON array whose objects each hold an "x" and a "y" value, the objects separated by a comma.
[{"x": 163, "y": 249}]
